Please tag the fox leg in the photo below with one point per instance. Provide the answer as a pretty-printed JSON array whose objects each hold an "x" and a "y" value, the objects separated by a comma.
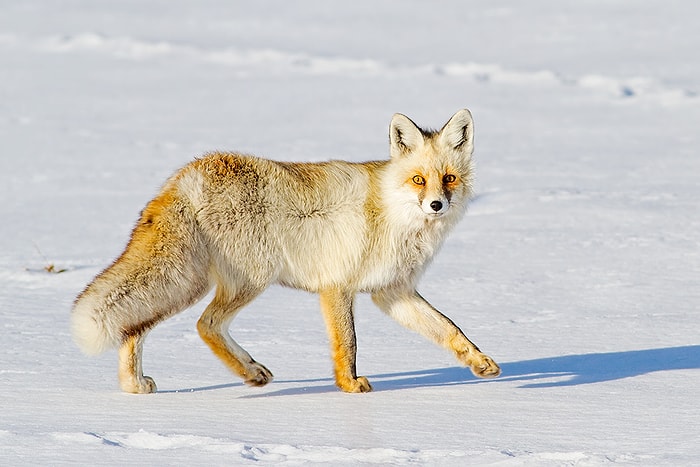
[
  {"x": 414, "y": 312},
  {"x": 131, "y": 378},
  {"x": 213, "y": 329},
  {"x": 336, "y": 306}
]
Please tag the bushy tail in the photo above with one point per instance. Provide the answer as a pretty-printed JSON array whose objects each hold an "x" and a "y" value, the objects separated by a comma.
[
  {"x": 92, "y": 332},
  {"x": 163, "y": 270}
]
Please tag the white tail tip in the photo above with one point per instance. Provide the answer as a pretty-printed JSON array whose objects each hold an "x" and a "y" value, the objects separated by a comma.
[{"x": 90, "y": 334}]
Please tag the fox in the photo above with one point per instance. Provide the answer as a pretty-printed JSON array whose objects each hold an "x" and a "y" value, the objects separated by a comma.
[{"x": 237, "y": 223}]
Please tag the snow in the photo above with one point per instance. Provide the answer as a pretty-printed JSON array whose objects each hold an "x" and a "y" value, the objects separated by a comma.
[{"x": 576, "y": 268}]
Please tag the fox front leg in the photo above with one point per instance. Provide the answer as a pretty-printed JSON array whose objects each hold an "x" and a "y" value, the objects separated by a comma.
[
  {"x": 337, "y": 309},
  {"x": 414, "y": 312}
]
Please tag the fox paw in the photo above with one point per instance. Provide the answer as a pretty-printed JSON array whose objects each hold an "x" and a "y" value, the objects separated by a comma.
[
  {"x": 360, "y": 384},
  {"x": 258, "y": 375},
  {"x": 483, "y": 366},
  {"x": 142, "y": 385}
]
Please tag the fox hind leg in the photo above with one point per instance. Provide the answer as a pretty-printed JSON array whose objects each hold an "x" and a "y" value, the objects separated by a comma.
[
  {"x": 131, "y": 378},
  {"x": 213, "y": 329}
]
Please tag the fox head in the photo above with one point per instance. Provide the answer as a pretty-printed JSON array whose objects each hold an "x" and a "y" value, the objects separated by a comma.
[{"x": 431, "y": 171}]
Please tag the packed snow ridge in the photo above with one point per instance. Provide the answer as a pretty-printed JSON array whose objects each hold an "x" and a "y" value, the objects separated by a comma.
[
  {"x": 290, "y": 454},
  {"x": 266, "y": 60}
]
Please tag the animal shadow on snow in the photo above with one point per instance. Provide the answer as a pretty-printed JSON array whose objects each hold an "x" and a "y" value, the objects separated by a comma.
[{"x": 567, "y": 370}]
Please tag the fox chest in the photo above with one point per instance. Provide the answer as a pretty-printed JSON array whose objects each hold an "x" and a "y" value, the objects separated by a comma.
[
  {"x": 348, "y": 254},
  {"x": 396, "y": 260},
  {"x": 321, "y": 250}
]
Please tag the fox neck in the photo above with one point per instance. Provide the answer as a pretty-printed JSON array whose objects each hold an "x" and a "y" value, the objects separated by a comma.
[{"x": 417, "y": 239}]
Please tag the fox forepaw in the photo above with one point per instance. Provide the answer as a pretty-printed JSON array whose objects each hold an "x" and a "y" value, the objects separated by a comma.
[
  {"x": 481, "y": 364},
  {"x": 359, "y": 384},
  {"x": 484, "y": 367},
  {"x": 258, "y": 375}
]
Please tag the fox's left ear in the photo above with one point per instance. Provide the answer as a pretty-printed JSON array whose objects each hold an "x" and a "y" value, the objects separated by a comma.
[{"x": 458, "y": 132}]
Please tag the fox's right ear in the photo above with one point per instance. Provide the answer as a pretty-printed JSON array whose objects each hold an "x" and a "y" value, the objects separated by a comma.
[{"x": 404, "y": 135}]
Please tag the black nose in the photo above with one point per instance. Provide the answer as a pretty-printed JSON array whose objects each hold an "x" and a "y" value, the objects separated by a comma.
[{"x": 436, "y": 205}]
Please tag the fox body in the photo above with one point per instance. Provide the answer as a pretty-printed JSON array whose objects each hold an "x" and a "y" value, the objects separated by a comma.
[{"x": 240, "y": 223}]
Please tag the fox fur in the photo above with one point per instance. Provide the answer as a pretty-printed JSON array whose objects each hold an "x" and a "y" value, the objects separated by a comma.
[{"x": 240, "y": 223}]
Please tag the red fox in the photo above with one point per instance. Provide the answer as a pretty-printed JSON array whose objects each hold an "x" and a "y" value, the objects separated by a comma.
[{"x": 240, "y": 223}]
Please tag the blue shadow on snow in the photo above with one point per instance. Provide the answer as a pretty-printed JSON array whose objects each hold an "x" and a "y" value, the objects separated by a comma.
[
  {"x": 575, "y": 369},
  {"x": 567, "y": 370}
]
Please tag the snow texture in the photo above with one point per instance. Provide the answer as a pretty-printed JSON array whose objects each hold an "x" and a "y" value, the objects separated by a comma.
[{"x": 577, "y": 266}]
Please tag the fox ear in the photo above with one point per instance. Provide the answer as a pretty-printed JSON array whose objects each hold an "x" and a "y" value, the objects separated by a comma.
[
  {"x": 404, "y": 135},
  {"x": 458, "y": 132}
]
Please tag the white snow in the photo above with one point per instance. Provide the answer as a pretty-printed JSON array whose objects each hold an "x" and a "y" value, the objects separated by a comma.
[{"x": 577, "y": 267}]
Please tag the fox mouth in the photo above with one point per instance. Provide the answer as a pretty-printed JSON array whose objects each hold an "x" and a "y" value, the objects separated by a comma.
[{"x": 435, "y": 215}]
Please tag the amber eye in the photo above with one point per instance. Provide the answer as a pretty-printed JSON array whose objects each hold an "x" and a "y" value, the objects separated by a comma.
[
  {"x": 418, "y": 180},
  {"x": 449, "y": 178}
]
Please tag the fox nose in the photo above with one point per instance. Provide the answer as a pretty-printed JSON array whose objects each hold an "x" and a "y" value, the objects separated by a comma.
[{"x": 436, "y": 205}]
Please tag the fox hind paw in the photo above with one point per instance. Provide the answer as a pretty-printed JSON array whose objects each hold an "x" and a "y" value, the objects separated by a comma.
[
  {"x": 258, "y": 375},
  {"x": 143, "y": 385}
]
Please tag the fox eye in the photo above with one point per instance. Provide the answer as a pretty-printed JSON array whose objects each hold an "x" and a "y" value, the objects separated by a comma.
[
  {"x": 449, "y": 178},
  {"x": 418, "y": 180}
]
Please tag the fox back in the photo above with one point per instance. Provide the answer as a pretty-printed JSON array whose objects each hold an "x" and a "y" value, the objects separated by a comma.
[{"x": 311, "y": 226}]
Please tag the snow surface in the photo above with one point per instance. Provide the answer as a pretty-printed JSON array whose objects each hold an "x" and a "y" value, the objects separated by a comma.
[{"x": 577, "y": 267}]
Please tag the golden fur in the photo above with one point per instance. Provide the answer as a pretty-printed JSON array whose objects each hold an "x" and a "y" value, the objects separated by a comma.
[{"x": 240, "y": 223}]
